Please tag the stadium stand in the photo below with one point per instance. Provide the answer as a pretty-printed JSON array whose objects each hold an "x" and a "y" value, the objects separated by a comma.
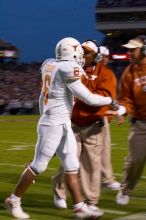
[{"x": 19, "y": 88}]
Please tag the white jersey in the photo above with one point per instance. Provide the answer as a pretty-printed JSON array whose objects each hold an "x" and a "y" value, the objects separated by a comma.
[
  {"x": 60, "y": 83},
  {"x": 57, "y": 98}
]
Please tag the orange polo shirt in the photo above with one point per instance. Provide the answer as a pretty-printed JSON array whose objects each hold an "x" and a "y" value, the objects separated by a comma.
[{"x": 99, "y": 80}]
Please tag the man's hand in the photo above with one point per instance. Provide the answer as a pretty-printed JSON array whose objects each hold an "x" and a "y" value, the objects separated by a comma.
[
  {"x": 116, "y": 112},
  {"x": 111, "y": 112},
  {"x": 114, "y": 105}
]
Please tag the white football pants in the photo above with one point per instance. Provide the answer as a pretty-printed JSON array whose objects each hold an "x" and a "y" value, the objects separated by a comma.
[{"x": 57, "y": 139}]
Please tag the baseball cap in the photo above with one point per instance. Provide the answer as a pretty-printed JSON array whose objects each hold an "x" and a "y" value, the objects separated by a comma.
[
  {"x": 104, "y": 50},
  {"x": 90, "y": 45},
  {"x": 133, "y": 43}
]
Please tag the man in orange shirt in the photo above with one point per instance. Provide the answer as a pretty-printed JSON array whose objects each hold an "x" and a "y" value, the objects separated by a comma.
[
  {"x": 108, "y": 178},
  {"x": 133, "y": 100},
  {"x": 87, "y": 125}
]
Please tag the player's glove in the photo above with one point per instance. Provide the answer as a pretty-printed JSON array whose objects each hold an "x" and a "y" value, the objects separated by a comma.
[{"x": 114, "y": 105}]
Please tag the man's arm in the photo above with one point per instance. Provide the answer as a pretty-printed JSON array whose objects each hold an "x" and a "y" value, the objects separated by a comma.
[
  {"x": 121, "y": 111},
  {"x": 41, "y": 106},
  {"x": 82, "y": 93}
]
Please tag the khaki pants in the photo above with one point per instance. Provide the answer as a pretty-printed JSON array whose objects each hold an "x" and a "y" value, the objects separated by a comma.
[
  {"x": 89, "y": 140},
  {"x": 136, "y": 158},
  {"x": 106, "y": 164}
]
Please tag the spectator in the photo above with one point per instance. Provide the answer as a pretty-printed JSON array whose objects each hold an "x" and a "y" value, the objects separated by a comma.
[{"x": 12, "y": 87}]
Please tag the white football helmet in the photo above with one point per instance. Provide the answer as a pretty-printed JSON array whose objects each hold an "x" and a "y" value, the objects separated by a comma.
[{"x": 70, "y": 49}]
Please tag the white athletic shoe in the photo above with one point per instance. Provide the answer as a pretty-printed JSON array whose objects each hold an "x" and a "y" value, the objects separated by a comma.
[
  {"x": 122, "y": 199},
  {"x": 15, "y": 208},
  {"x": 114, "y": 186},
  {"x": 87, "y": 212},
  {"x": 59, "y": 202},
  {"x": 98, "y": 212}
]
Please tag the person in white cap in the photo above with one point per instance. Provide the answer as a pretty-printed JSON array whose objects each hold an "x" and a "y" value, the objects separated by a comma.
[
  {"x": 104, "y": 52},
  {"x": 87, "y": 125},
  {"x": 108, "y": 178},
  {"x": 132, "y": 96}
]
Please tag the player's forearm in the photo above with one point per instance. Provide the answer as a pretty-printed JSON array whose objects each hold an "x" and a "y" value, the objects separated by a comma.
[
  {"x": 97, "y": 100},
  {"x": 82, "y": 93},
  {"x": 41, "y": 98}
]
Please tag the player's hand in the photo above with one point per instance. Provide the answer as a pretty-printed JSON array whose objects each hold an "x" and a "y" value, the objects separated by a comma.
[
  {"x": 114, "y": 105},
  {"x": 111, "y": 112}
]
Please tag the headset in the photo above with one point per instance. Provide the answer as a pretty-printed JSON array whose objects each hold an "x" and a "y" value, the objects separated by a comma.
[
  {"x": 99, "y": 56},
  {"x": 143, "y": 49}
]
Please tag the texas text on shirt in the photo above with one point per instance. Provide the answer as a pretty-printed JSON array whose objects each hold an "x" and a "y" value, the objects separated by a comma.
[
  {"x": 102, "y": 81},
  {"x": 134, "y": 97}
]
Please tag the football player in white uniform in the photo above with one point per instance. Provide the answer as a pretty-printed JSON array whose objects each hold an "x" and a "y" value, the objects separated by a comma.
[{"x": 60, "y": 83}]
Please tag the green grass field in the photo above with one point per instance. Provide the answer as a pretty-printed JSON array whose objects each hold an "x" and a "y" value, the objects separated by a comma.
[{"x": 17, "y": 140}]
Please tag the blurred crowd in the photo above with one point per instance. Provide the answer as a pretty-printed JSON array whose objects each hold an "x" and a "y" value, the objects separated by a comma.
[
  {"x": 19, "y": 88},
  {"x": 20, "y": 85}
]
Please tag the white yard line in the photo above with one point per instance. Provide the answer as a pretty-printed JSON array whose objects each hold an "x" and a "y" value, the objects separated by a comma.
[
  {"x": 115, "y": 212},
  {"x": 19, "y": 165},
  {"x": 139, "y": 216},
  {"x": 119, "y": 148},
  {"x": 30, "y": 144},
  {"x": 17, "y": 146},
  {"x": 52, "y": 168},
  {"x": 11, "y": 165},
  {"x": 16, "y": 142}
]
